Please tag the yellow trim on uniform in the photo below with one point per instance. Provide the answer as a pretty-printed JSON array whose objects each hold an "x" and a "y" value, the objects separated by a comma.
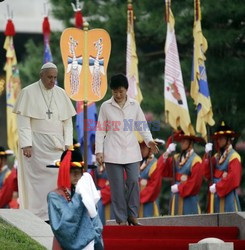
[
  {"x": 180, "y": 205},
  {"x": 222, "y": 205},
  {"x": 173, "y": 205},
  {"x": 211, "y": 203},
  {"x": 153, "y": 168},
  {"x": 176, "y": 156},
  {"x": 141, "y": 215},
  {"x": 199, "y": 209},
  {"x": 6, "y": 176},
  {"x": 197, "y": 159},
  {"x": 107, "y": 212},
  {"x": 234, "y": 156},
  {"x": 155, "y": 209}
]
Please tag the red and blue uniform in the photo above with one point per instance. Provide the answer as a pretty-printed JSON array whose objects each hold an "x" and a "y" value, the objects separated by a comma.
[
  {"x": 189, "y": 179},
  {"x": 227, "y": 176}
]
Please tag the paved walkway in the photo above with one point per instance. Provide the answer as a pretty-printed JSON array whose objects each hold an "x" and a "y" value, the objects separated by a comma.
[{"x": 29, "y": 224}]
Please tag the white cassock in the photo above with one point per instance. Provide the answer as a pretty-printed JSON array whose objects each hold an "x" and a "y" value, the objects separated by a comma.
[{"x": 48, "y": 136}]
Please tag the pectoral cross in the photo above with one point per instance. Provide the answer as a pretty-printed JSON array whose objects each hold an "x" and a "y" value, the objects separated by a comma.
[{"x": 49, "y": 113}]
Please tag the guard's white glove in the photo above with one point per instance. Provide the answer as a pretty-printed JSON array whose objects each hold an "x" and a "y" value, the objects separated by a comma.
[
  {"x": 78, "y": 186},
  {"x": 89, "y": 194},
  {"x": 174, "y": 188},
  {"x": 171, "y": 148},
  {"x": 212, "y": 188},
  {"x": 208, "y": 147}
]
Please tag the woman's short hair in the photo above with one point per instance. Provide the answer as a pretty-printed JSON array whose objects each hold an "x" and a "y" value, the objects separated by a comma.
[{"x": 119, "y": 80}]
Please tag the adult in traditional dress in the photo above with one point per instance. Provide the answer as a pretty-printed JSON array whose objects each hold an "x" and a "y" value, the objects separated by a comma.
[
  {"x": 9, "y": 190},
  {"x": 227, "y": 171},
  {"x": 8, "y": 179},
  {"x": 4, "y": 169},
  {"x": 150, "y": 182},
  {"x": 187, "y": 172},
  {"x": 44, "y": 118},
  {"x": 117, "y": 146},
  {"x": 72, "y": 206}
]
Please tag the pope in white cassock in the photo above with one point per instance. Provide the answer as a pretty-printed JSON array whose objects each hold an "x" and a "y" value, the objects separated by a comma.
[{"x": 44, "y": 118}]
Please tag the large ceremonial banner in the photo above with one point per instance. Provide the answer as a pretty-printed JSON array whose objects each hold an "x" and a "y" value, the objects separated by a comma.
[
  {"x": 85, "y": 56},
  {"x": 199, "y": 81},
  {"x": 176, "y": 108},
  {"x": 132, "y": 59},
  {"x": 13, "y": 86}
]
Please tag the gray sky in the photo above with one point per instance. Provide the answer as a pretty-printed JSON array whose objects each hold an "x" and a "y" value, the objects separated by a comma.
[{"x": 27, "y": 15}]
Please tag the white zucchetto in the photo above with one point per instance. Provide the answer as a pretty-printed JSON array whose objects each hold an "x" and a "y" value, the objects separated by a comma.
[{"x": 49, "y": 65}]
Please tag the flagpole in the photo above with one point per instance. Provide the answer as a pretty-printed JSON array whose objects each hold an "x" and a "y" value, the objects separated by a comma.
[
  {"x": 210, "y": 154},
  {"x": 199, "y": 95},
  {"x": 83, "y": 25},
  {"x": 174, "y": 179},
  {"x": 211, "y": 173},
  {"x": 85, "y": 102},
  {"x": 173, "y": 161}
]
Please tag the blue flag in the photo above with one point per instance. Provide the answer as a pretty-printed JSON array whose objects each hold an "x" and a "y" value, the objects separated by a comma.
[
  {"x": 90, "y": 126},
  {"x": 199, "y": 82},
  {"x": 46, "y": 35},
  {"x": 47, "y": 52}
]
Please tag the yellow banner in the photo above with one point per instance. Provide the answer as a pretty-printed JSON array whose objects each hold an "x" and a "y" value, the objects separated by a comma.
[{"x": 13, "y": 87}]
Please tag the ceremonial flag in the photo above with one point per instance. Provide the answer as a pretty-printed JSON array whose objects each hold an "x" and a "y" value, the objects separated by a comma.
[
  {"x": 199, "y": 82},
  {"x": 12, "y": 86},
  {"x": 46, "y": 37},
  {"x": 132, "y": 59},
  {"x": 90, "y": 124},
  {"x": 176, "y": 108}
]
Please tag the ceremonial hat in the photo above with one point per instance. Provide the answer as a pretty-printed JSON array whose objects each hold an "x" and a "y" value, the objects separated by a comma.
[
  {"x": 76, "y": 144},
  {"x": 180, "y": 135},
  {"x": 70, "y": 159},
  {"x": 49, "y": 65},
  {"x": 75, "y": 160},
  {"x": 224, "y": 130},
  {"x": 119, "y": 80},
  {"x": 5, "y": 153}
]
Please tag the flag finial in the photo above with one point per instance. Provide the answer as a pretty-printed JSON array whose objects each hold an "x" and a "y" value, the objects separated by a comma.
[
  {"x": 78, "y": 14},
  {"x": 85, "y": 25},
  {"x": 78, "y": 6},
  {"x": 45, "y": 10},
  {"x": 130, "y": 5},
  {"x": 9, "y": 13},
  {"x": 9, "y": 30}
]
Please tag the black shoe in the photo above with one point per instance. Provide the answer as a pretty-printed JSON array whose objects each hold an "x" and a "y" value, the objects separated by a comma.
[{"x": 133, "y": 221}]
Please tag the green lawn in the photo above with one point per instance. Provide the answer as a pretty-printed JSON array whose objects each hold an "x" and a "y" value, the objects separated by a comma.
[{"x": 13, "y": 239}]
